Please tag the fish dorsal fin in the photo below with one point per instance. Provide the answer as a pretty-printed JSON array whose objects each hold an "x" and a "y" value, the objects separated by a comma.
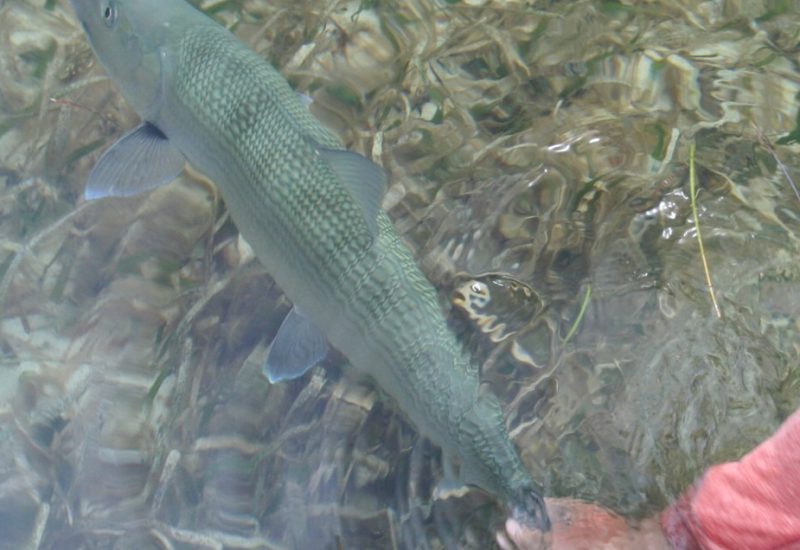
[
  {"x": 298, "y": 346},
  {"x": 139, "y": 161},
  {"x": 365, "y": 180}
]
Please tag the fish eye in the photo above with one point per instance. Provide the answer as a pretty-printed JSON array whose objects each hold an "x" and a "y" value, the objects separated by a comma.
[{"x": 109, "y": 13}]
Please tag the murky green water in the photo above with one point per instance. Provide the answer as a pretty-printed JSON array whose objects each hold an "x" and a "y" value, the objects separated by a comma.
[{"x": 539, "y": 162}]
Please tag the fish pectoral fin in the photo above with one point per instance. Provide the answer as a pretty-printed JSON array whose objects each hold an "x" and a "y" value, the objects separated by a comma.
[
  {"x": 298, "y": 346},
  {"x": 365, "y": 180},
  {"x": 139, "y": 161}
]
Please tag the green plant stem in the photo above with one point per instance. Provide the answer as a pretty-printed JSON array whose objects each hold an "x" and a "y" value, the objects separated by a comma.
[{"x": 693, "y": 197}]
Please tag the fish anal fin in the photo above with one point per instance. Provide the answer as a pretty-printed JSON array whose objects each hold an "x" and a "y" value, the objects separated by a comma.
[{"x": 450, "y": 486}]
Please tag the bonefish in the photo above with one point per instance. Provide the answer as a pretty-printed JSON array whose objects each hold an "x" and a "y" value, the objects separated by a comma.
[{"x": 311, "y": 211}]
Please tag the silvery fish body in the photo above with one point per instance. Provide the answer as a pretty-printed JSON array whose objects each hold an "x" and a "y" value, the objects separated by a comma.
[{"x": 310, "y": 210}]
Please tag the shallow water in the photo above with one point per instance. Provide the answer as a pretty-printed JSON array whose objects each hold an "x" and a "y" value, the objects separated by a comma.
[{"x": 539, "y": 167}]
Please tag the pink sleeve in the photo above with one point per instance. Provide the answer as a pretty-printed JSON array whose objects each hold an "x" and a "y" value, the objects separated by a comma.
[{"x": 752, "y": 504}]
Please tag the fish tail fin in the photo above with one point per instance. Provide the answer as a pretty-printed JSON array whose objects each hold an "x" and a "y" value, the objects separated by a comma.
[{"x": 529, "y": 509}]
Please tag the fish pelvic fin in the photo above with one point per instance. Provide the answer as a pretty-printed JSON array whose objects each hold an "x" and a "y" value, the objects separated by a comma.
[{"x": 297, "y": 347}]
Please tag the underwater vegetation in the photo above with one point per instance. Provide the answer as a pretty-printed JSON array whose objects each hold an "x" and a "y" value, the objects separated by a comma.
[{"x": 539, "y": 168}]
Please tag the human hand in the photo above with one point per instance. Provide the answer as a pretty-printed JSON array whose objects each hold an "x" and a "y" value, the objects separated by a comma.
[{"x": 579, "y": 525}]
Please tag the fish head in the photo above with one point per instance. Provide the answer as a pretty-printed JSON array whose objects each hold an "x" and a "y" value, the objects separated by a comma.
[{"x": 128, "y": 37}]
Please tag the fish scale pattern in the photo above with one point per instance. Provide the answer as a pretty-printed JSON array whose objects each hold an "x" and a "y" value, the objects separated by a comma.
[{"x": 237, "y": 120}]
